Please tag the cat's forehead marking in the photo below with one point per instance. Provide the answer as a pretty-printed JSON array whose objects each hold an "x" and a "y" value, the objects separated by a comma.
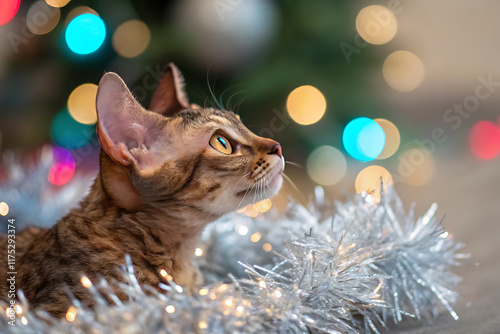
[{"x": 216, "y": 119}]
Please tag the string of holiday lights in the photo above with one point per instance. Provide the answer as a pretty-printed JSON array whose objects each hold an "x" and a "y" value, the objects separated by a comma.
[{"x": 352, "y": 267}]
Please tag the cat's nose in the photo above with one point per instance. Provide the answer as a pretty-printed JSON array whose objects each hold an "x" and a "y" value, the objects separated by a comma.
[{"x": 276, "y": 149}]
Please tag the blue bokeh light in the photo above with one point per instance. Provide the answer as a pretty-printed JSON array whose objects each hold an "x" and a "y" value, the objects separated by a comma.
[
  {"x": 85, "y": 33},
  {"x": 68, "y": 133},
  {"x": 363, "y": 139}
]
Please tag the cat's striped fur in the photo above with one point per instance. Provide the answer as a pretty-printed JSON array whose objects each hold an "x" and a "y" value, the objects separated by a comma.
[{"x": 160, "y": 183}]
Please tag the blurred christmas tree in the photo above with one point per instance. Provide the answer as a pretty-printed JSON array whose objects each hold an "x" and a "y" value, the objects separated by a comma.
[{"x": 253, "y": 53}]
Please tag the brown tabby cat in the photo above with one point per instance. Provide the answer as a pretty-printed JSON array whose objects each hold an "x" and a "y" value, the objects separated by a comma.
[{"x": 164, "y": 174}]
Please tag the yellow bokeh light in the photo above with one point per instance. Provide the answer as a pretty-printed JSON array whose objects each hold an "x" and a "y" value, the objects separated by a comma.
[
  {"x": 79, "y": 11},
  {"x": 85, "y": 282},
  {"x": 264, "y": 205},
  {"x": 228, "y": 302},
  {"x": 262, "y": 284},
  {"x": 42, "y": 18},
  {"x": 71, "y": 314},
  {"x": 392, "y": 138},
  {"x": 203, "y": 292},
  {"x": 57, "y": 3},
  {"x": 24, "y": 321},
  {"x": 255, "y": 237},
  {"x": 131, "y": 38},
  {"x": 249, "y": 211},
  {"x": 4, "y": 209},
  {"x": 18, "y": 309},
  {"x": 267, "y": 247},
  {"x": 81, "y": 103},
  {"x": 198, "y": 252},
  {"x": 376, "y": 24},
  {"x": 170, "y": 309},
  {"x": 202, "y": 325},
  {"x": 163, "y": 273},
  {"x": 403, "y": 71},
  {"x": 306, "y": 105},
  {"x": 368, "y": 180},
  {"x": 416, "y": 166},
  {"x": 326, "y": 165}
]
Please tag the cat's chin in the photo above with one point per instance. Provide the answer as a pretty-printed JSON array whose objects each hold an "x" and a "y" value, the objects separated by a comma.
[{"x": 275, "y": 183}]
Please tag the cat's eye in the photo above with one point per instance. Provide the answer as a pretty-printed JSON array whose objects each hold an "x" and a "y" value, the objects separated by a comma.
[{"x": 221, "y": 144}]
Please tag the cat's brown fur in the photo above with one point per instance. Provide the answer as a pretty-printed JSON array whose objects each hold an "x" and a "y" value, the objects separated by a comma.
[{"x": 159, "y": 184}]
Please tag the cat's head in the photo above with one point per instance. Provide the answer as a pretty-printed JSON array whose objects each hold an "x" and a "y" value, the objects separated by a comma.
[{"x": 178, "y": 155}]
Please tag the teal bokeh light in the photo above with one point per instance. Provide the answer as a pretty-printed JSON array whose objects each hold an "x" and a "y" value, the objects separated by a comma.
[
  {"x": 363, "y": 139},
  {"x": 85, "y": 33},
  {"x": 68, "y": 133}
]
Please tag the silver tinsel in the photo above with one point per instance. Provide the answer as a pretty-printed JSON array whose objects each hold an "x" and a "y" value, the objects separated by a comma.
[
  {"x": 351, "y": 267},
  {"x": 31, "y": 198}
]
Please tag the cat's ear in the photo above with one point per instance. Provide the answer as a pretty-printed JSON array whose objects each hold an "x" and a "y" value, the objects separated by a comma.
[
  {"x": 126, "y": 131},
  {"x": 170, "y": 97}
]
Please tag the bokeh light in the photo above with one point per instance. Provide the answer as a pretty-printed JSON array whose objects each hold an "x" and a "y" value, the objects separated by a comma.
[
  {"x": 264, "y": 205},
  {"x": 42, "y": 18},
  {"x": 485, "y": 140},
  {"x": 376, "y": 24},
  {"x": 403, "y": 71},
  {"x": 252, "y": 210},
  {"x": 68, "y": 133},
  {"x": 4, "y": 209},
  {"x": 71, "y": 314},
  {"x": 63, "y": 167},
  {"x": 79, "y": 11},
  {"x": 363, "y": 139},
  {"x": 81, "y": 103},
  {"x": 306, "y": 105},
  {"x": 131, "y": 38},
  {"x": 86, "y": 282},
  {"x": 368, "y": 181},
  {"x": 416, "y": 166},
  {"x": 392, "y": 138},
  {"x": 85, "y": 33},
  {"x": 326, "y": 165},
  {"x": 57, "y": 3},
  {"x": 8, "y": 9},
  {"x": 255, "y": 237}
]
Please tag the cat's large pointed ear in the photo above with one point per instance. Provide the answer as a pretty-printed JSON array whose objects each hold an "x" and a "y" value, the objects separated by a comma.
[
  {"x": 126, "y": 131},
  {"x": 170, "y": 97}
]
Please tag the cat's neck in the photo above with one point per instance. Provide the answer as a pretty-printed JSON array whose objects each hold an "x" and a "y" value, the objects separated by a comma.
[{"x": 170, "y": 224}]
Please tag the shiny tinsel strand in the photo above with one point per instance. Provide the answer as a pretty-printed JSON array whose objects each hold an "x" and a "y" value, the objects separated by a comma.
[
  {"x": 26, "y": 186},
  {"x": 346, "y": 268}
]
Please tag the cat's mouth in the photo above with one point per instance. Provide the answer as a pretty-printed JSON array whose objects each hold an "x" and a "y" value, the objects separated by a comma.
[{"x": 266, "y": 182}]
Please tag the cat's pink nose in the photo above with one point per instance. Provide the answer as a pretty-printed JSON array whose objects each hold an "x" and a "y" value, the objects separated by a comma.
[{"x": 276, "y": 149}]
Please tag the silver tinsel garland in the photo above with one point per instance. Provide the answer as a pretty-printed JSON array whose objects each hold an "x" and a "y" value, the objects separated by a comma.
[{"x": 352, "y": 267}]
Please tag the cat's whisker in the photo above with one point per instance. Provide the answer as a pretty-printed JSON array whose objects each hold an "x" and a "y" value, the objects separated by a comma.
[
  {"x": 241, "y": 179},
  {"x": 231, "y": 97},
  {"x": 229, "y": 100},
  {"x": 246, "y": 192},
  {"x": 212, "y": 90},
  {"x": 236, "y": 107},
  {"x": 294, "y": 164},
  {"x": 287, "y": 178}
]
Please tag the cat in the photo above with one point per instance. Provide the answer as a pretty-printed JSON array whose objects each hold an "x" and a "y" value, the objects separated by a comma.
[{"x": 165, "y": 173}]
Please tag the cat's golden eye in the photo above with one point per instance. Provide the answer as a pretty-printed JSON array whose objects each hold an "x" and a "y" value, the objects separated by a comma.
[{"x": 221, "y": 144}]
